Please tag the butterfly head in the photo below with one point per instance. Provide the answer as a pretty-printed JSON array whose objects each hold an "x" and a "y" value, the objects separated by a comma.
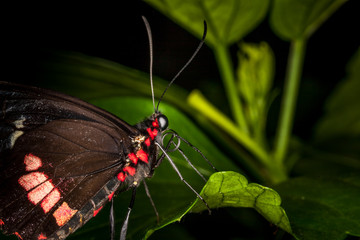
[{"x": 162, "y": 121}]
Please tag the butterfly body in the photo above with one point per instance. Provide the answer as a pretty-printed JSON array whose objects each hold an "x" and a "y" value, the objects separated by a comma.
[{"x": 62, "y": 159}]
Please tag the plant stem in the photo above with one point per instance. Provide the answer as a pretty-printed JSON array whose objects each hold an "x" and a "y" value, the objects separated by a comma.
[
  {"x": 288, "y": 104},
  {"x": 225, "y": 65},
  {"x": 200, "y": 103}
]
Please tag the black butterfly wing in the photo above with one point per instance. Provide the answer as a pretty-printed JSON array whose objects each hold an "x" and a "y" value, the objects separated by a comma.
[
  {"x": 59, "y": 160},
  {"x": 28, "y": 107}
]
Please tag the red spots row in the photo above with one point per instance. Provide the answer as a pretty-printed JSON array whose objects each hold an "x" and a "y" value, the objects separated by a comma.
[
  {"x": 152, "y": 132},
  {"x": 142, "y": 155}
]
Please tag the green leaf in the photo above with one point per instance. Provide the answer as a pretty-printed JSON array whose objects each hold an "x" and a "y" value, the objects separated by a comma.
[
  {"x": 90, "y": 77},
  {"x": 329, "y": 203},
  {"x": 231, "y": 189},
  {"x": 321, "y": 163},
  {"x": 342, "y": 118},
  {"x": 322, "y": 208},
  {"x": 294, "y": 19},
  {"x": 171, "y": 196},
  {"x": 228, "y": 20}
]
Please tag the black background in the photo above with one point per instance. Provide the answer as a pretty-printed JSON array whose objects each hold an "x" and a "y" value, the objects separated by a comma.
[{"x": 116, "y": 32}]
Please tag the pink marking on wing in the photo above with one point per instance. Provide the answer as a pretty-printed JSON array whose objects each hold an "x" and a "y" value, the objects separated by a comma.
[
  {"x": 31, "y": 180},
  {"x": 63, "y": 214},
  {"x": 50, "y": 200},
  {"x": 32, "y": 162},
  {"x": 38, "y": 194},
  {"x": 97, "y": 211}
]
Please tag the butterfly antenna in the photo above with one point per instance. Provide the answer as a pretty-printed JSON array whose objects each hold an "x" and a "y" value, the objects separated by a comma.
[
  {"x": 187, "y": 63},
  {"x": 148, "y": 29}
]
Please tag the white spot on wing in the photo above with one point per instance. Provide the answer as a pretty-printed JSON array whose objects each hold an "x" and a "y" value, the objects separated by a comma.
[
  {"x": 14, "y": 136},
  {"x": 20, "y": 122}
]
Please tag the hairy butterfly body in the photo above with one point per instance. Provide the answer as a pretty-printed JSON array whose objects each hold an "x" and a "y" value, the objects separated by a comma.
[{"x": 62, "y": 159}]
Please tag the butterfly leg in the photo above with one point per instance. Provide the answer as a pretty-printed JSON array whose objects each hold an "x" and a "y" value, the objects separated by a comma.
[
  {"x": 151, "y": 201},
  {"x": 126, "y": 222},
  {"x": 112, "y": 220},
  {"x": 174, "y": 135},
  {"x": 196, "y": 149},
  {"x": 181, "y": 177}
]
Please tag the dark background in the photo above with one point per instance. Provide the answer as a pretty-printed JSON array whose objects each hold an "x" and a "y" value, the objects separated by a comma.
[{"x": 117, "y": 33}]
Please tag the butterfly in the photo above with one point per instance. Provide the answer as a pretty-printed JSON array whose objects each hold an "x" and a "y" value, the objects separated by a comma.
[{"x": 62, "y": 159}]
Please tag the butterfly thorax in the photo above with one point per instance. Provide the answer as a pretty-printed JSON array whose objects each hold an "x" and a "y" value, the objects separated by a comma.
[{"x": 141, "y": 157}]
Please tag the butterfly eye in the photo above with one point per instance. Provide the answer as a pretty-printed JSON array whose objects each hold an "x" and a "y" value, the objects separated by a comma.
[{"x": 163, "y": 122}]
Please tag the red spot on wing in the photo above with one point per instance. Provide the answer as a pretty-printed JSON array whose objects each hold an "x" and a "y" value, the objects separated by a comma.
[
  {"x": 121, "y": 176},
  {"x": 142, "y": 155},
  {"x": 50, "y": 200},
  {"x": 111, "y": 195},
  {"x": 63, "y": 214},
  {"x": 31, "y": 180},
  {"x": 152, "y": 133},
  {"x": 133, "y": 158},
  {"x": 32, "y": 162},
  {"x": 130, "y": 170},
  {"x": 38, "y": 194},
  {"x": 18, "y": 235},
  {"x": 1, "y": 222},
  {"x": 42, "y": 236},
  {"x": 147, "y": 142},
  {"x": 97, "y": 211}
]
